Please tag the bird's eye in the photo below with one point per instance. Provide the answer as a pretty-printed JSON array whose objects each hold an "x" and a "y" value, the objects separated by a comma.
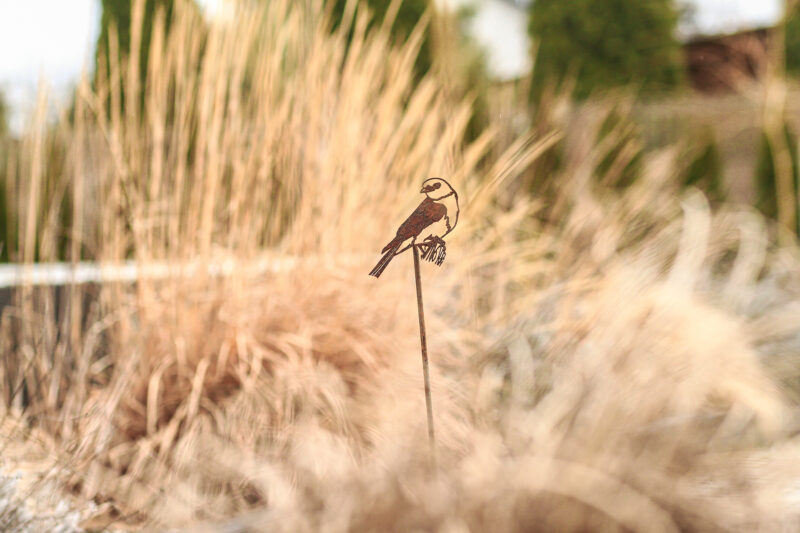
[{"x": 437, "y": 185}]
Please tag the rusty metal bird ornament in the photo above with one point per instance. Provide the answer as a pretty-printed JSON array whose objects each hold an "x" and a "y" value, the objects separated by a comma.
[{"x": 437, "y": 215}]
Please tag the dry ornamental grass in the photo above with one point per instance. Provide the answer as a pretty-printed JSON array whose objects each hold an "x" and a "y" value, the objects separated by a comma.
[{"x": 604, "y": 358}]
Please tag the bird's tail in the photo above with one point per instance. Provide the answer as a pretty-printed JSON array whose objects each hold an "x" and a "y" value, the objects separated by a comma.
[{"x": 390, "y": 249}]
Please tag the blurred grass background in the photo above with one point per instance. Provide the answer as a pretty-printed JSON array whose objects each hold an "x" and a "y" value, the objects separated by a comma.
[{"x": 614, "y": 336}]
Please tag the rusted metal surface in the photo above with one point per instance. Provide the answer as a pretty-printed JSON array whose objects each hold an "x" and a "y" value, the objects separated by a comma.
[
  {"x": 438, "y": 214},
  {"x": 423, "y": 343}
]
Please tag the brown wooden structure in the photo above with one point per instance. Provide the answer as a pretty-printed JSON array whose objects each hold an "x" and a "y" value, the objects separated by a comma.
[{"x": 722, "y": 63}]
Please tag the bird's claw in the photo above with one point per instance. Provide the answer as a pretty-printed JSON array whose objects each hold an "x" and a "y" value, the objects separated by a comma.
[
  {"x": 432, "y": 240},
  {"x": 433, "y": 249}
]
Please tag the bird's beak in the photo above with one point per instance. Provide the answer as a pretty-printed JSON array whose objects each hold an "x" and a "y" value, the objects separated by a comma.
[{"x": 426, "y": 189}]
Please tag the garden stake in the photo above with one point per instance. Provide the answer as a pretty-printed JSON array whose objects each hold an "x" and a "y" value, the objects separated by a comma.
[
  {"x": 438, "y": 211},
  {"x": 423, "y": 343}
]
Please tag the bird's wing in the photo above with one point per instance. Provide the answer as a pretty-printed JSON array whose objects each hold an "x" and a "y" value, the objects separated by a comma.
[{"x": 423, "y": 216}]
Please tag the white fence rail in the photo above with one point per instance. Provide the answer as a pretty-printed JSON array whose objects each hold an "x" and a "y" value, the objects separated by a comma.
[{"x": 16, "y": 275}]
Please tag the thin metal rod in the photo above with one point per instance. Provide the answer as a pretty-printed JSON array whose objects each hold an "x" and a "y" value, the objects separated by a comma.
[{"x": 424, "y": 347}]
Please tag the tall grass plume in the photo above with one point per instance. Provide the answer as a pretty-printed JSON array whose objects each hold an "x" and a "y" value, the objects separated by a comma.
[{"x": 603, "y": 358}]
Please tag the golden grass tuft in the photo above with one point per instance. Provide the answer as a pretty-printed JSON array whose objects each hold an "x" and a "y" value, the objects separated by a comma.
[{"x": 603, "y": 358}]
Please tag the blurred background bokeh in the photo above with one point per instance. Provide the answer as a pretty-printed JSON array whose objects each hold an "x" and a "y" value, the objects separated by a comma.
[{"x": 192, "y": 193}]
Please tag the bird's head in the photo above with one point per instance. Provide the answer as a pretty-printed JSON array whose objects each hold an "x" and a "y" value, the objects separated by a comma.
[{"x": 436, "y": 188}]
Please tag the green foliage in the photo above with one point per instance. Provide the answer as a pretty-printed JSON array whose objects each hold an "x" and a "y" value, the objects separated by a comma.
[
  {"x": 620, "y": 150},
  {"x": 408, "y": 16},
  {"x": 605, "y": 44},
  {"x": 3, "y": 116},
  {"x": 5, "y": 143},
  {"x": 617, "y": 153},
  {"x": 117, "y": 13},
  {"x": 766, "y": 188},
  {"x": 793, "y": 41},
  {"x": 8, "y": 233},
  {"x": 705, "y": 169},
  {"x": 465, "y": 59}
]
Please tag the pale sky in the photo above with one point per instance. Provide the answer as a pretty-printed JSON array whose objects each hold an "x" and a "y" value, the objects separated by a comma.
[
  {"x": 720, "y": 16},
  {"x": 47, "y": 38},
  {"x": 54, "y": 39}
]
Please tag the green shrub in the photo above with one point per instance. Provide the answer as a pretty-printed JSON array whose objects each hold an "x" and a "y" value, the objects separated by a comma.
[
  {"x": 117, "y": 13},
  {"x": 793, "y": 41},
  {"x": 3, "y": 116},
  {"x": 6, "y": 233},
  {"x": 604, "y": 44},
  {"x": 466, "y": 60},
  {"x": 408, "y": 16},
  {"x": 766, "y": 188},
  {"x": 620, "y": 150},
  {"x": 705, "y": 169}
]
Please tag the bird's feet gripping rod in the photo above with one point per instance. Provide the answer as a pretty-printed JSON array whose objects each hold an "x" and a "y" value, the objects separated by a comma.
[
  {"x": 439, "y": 211},
  {"x": 433, "y": 248}
]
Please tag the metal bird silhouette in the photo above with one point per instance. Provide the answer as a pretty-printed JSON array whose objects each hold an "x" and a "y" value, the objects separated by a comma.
[{"x": 438, "y": 212}]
